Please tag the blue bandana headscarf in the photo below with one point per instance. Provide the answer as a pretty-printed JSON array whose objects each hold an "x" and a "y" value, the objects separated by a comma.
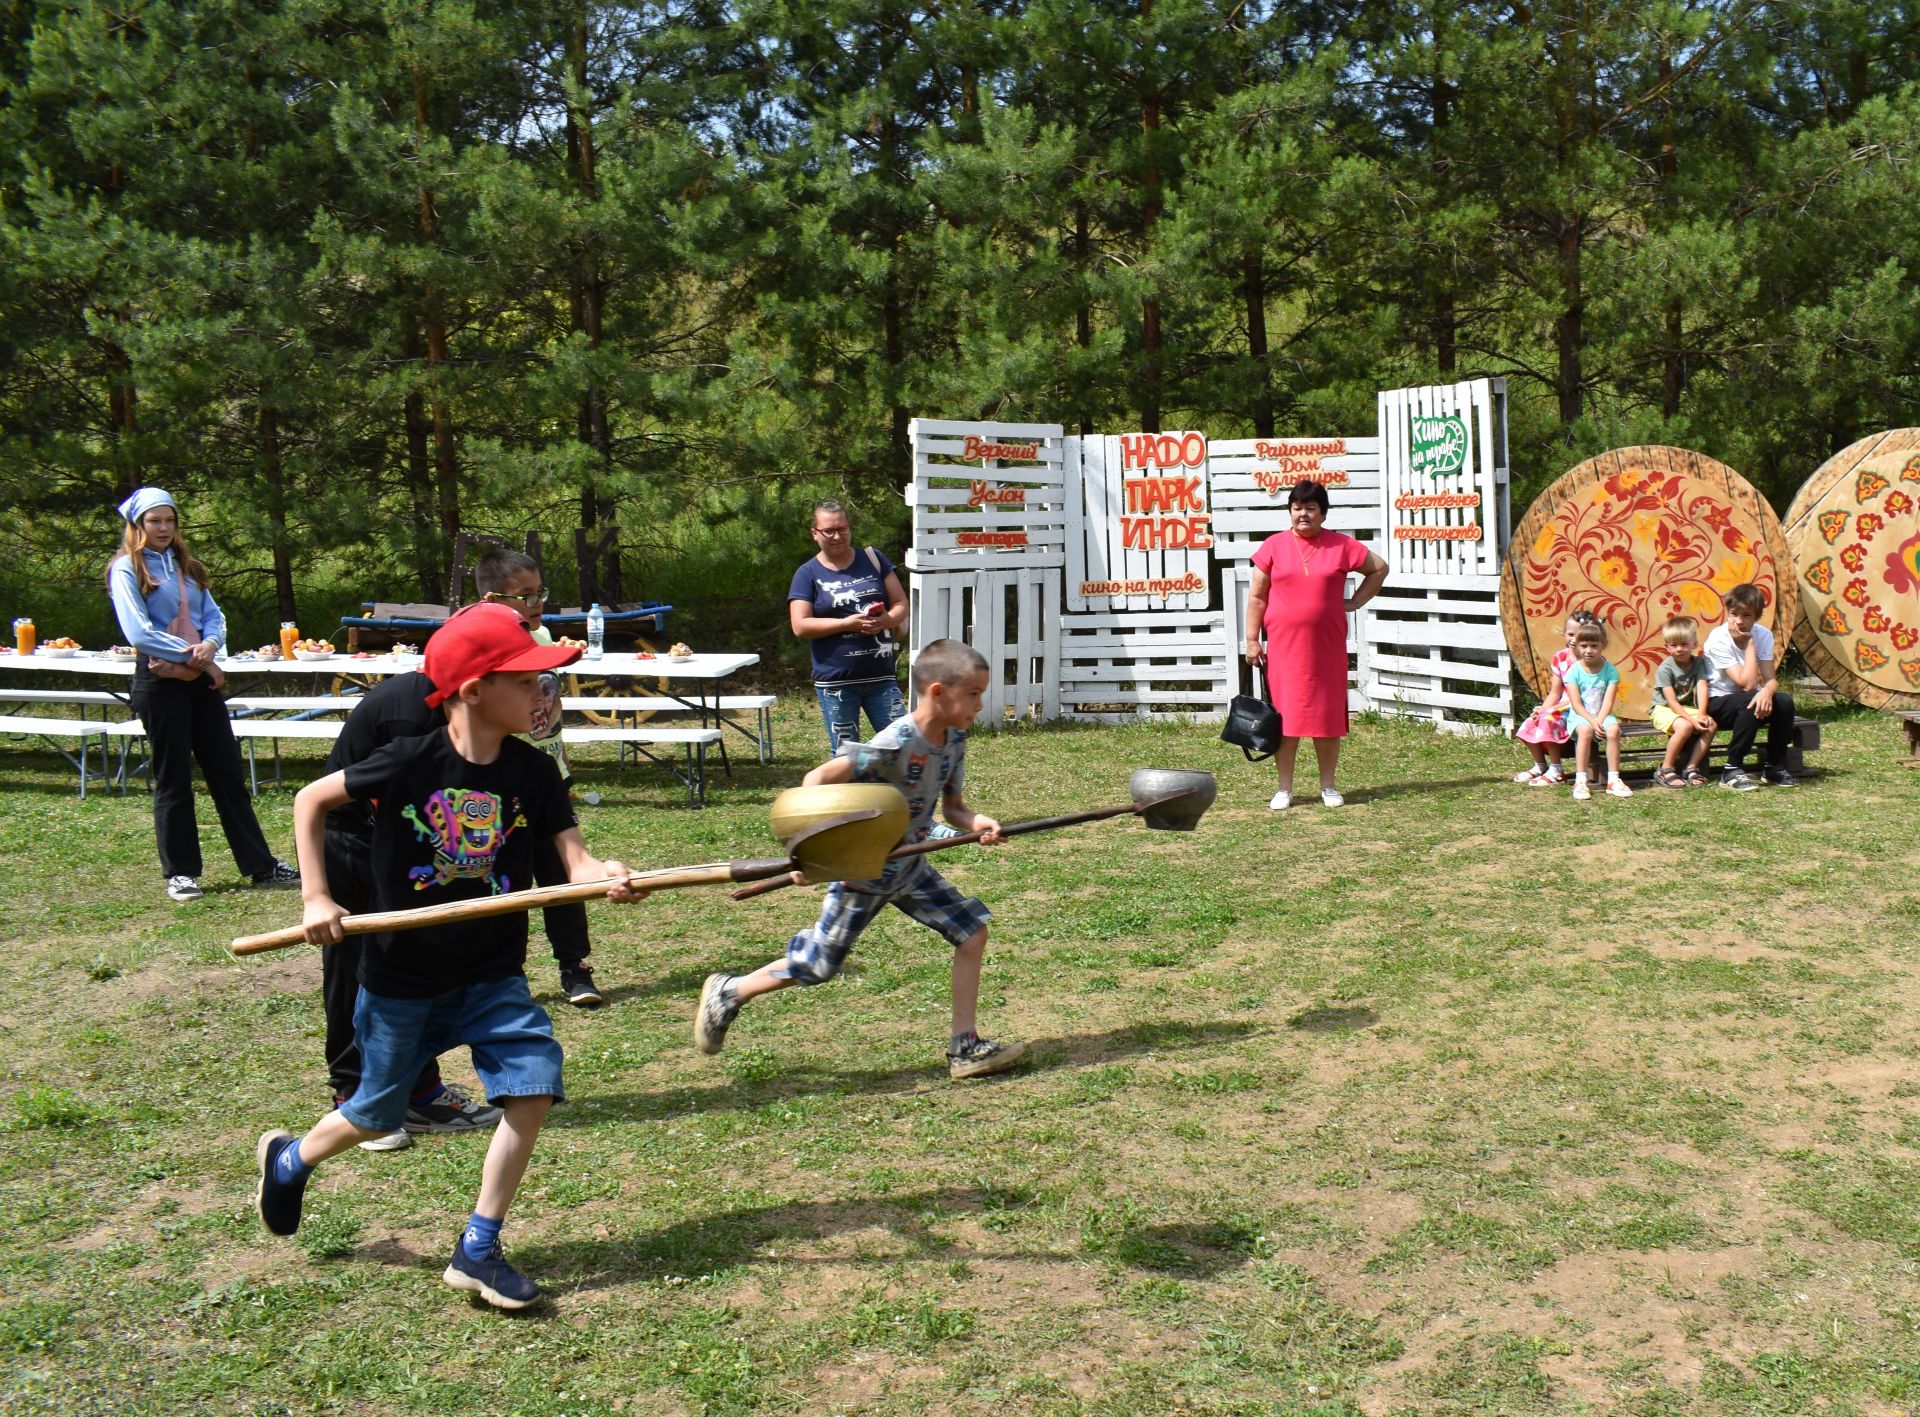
[{"x": 144, "y": 500}]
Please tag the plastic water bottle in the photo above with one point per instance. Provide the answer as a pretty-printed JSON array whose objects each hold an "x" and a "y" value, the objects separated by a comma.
[{"x": 596, "y": 631}]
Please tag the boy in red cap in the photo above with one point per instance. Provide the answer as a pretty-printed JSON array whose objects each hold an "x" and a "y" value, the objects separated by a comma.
[{"x": 456, "y": 815}]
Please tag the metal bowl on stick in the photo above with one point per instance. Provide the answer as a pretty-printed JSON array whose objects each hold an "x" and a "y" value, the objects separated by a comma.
[
  {"x": 856, "y": 852},
  {"x": 1174, "y": 799}
]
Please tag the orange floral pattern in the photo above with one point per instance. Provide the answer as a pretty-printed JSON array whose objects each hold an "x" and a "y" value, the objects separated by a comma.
[
  {"x": 1643, "y": 545},
  {"x": 1877, "y": 528}
]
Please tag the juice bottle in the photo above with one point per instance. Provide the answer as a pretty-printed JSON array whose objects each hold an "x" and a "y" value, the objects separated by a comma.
[
  {"x": 289, "y": 635},
  {"x": 23, "y": 636}
]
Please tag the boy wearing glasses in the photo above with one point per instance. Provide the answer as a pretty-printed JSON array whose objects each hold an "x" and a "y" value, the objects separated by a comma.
[
  {"x": 847, "y": 604},
  {"x": 513, "y": 579}
]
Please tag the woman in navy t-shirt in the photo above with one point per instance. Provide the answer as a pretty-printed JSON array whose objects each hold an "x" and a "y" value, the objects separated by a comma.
[{"x": 847, "y": 604}]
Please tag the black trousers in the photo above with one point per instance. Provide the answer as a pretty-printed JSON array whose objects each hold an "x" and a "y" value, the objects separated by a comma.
[
  {"x": 1735, "y": 712},
  {"x": 187, "y": 720},
  {"x": 350, "y": 881}
]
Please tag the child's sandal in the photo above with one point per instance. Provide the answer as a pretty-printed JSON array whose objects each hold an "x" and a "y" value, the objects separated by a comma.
[
  {"x": 1696, "y": 778},
  {"x": 1667, "y": 777}
]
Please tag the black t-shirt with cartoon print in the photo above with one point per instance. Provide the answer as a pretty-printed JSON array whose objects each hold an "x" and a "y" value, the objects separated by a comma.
[{"x": 446, "y": 829}]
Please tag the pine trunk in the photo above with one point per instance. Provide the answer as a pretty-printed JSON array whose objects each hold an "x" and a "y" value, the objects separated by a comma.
[
  {"x": 419, "y": 433},
  {"x": 277, "y": 512},
  {"x": 1254, "y": 269},
  {"x": 446, "y": 470}
]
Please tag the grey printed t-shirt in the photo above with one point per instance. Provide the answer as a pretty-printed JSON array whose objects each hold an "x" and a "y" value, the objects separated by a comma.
[
  {"x": 900, "y": 755},
  {"x": 1683, "y": 682}
]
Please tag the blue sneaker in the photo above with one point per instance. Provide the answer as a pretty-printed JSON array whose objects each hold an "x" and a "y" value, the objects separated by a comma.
[
  {"x": 492, "y": 1278},
  {"x": 278, "y": 1201}
]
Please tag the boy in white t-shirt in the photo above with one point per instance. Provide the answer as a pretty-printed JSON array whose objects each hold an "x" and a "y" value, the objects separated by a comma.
[{"x": 1744, "y": 693}]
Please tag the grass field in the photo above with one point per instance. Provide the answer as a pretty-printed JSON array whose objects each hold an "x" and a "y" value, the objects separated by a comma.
[{"x": 1464, "y": 1099}]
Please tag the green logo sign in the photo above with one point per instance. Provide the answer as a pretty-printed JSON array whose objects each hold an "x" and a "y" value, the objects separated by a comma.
[{"x": 1439, "y": 445}]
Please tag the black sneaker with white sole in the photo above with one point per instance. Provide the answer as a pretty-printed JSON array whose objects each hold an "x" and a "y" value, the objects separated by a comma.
[
  {"x": 281, "y": 878},
  {"x": 492, "y": 1278},
  {"x": 183, "y": 888},
  {"x": 1734, "y": 780},
  {"x": 454, "y": 1109},
  {"x": 977, "y": 1057},
  {"x": 1777, "y": 777},
  {"x": 576, "y": 982},
  {"x": 279, "y": 1202},
  {"x": 719, "y": 1007}
]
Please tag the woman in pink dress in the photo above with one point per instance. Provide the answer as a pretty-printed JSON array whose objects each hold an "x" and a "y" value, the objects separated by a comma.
[{"x": 1299, "y": 598}]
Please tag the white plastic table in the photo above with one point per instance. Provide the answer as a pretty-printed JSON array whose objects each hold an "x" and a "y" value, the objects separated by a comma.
[{"x": 702, "y": 674}]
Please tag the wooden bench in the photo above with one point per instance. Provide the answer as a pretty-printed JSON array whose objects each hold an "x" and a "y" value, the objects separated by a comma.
[
  {"x": 1643, "y": 747},
  {"x": 1911, "y": 722},
  {"x": 761, "y": 706},
  {"x": 693, "y": 743}
]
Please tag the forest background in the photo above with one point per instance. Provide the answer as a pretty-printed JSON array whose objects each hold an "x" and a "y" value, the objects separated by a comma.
[{"x": 350, "y": 275}]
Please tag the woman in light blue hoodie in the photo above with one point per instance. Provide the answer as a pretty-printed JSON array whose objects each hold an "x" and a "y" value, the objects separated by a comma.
[{"x": 170, "y": 617}]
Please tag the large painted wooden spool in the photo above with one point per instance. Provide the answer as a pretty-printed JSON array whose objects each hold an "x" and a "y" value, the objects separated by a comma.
[
  {"x": 1637, "y": 535},
  {"x": 1855, "y": 532}
]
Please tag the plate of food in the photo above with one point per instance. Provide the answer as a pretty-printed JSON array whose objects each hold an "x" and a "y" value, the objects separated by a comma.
[
  {"x": 680, "y": 652},
  {"x": 568, "y": 642},
  {"x": 61, "y": 648},
  {"x": 121, "y": 652},
  {"x": 313, "y": 649}
]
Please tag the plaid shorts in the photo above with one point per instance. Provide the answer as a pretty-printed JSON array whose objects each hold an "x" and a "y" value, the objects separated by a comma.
[{"x": 815, "y": 955}]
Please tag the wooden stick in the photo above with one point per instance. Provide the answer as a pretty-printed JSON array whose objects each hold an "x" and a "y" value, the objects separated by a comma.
[
  {"x": 941, "y": 843},
  {"x": 718, "y": 873}
]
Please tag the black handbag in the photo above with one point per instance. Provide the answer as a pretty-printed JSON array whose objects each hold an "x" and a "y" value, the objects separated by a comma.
[{"x": 1253, "y": 724}]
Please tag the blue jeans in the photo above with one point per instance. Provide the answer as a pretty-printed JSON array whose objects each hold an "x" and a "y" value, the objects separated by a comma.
[
  {"x": 840, "y": 706},
  {"x": 510, "y": 1036}
]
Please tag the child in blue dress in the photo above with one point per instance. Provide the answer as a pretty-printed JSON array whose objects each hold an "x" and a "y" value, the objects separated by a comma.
[{"x": 1592, "y": 686}]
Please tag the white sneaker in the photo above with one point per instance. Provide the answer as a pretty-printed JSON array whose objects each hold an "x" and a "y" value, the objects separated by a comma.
[
  {"x": 1617, "y": 788},
  {"x": 1280, "y": 800},
  {"x": 1581, "y": 792},
  {"x": 1330, "y": 798},
  {"x": 183, "y": 888},
  {"x": 396, "y": 1140}
]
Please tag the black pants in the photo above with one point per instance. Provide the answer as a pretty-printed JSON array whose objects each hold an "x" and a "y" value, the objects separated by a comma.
[
  {"x": 1735, "y": 712},
  {"x": 187, "y": 720},
  {"x": 350, "y": 881}
]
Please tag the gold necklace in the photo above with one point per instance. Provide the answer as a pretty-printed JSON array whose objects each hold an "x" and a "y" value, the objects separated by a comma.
[{"x": 1306, "y": 556}]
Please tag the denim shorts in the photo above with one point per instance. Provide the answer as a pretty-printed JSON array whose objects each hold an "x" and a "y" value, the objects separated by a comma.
[
  {"x": 815, "y": 955},
  {"x": 510, "y": 1036},
  {"x": 840, "y": 706}
]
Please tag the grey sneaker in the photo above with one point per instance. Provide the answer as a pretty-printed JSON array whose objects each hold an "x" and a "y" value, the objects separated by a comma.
[
  {"x": 1735, "y": 780},
  {"x": 183, "y": 888},
  {"x": 976, "y": 1057},
  {"x": 454, "y": 1110},
  {"x": 281, "y": 878},
  {"x": 1777, "y": 777},
  {"x": 719, "y": 1007},
  {"x": 398, "y": 1139}
]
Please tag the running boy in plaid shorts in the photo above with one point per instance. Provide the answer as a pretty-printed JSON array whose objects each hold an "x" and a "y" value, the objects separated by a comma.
[{"x": 924, "y": 756}]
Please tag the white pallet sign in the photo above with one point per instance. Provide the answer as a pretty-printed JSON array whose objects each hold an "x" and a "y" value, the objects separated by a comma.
[
  {"x": 1140, "y": 528},
  {"x": 1433, "y": 638},
  {"x": 987, "y": 496}
]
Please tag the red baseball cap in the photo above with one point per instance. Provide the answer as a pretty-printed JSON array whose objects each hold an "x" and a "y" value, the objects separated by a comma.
[{"x": 483, "y": 639}]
